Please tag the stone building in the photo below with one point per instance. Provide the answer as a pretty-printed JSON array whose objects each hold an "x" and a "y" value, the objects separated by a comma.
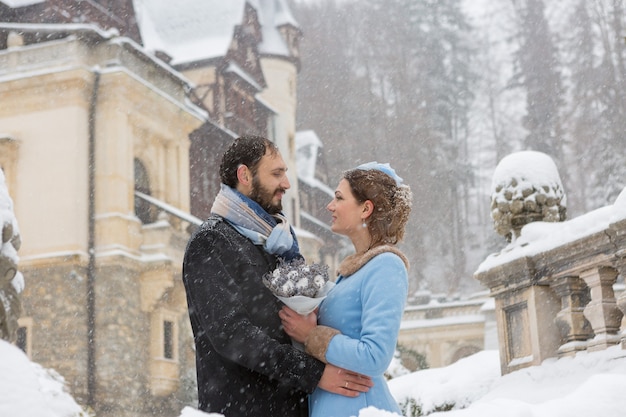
[
  {"x": 438, "y": 332},
  {"x": 109, "y": 148},
  {"x": 103, "y": 302},
  {"x": 119, "y": 114},
  {"x": 315, "y": 194}
]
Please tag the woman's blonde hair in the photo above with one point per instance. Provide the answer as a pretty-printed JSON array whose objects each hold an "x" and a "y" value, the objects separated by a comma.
[{"x": 392, "y": 203}]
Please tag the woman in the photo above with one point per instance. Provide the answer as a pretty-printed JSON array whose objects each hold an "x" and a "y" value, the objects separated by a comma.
[{"x": 357, "y": 325}]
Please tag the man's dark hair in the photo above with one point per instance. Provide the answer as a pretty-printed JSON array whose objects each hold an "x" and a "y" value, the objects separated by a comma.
[{"x": 246, "y": 150}]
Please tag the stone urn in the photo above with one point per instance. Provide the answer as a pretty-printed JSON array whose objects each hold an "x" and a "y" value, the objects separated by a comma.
[{"x": 526, "y": 188}]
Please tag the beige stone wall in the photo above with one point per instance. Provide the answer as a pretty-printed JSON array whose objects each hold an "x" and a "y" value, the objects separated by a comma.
[
  {"x": 281, "y": 76},
  {"x": 442, "y": 344},
  {"x": 54, "y": 299},
  {"x": 140, "y": 112},
  {"x": 52, "y": 166}
]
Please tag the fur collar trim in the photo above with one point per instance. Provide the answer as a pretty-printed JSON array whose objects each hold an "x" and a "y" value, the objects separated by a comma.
[{"x": 354, "y": 262}]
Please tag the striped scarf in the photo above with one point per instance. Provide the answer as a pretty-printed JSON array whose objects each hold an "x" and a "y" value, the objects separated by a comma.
[{"x": 273, "y": 232}]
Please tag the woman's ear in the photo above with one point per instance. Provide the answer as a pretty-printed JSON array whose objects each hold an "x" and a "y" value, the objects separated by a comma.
[
  {"x": 368, "y": 209},
  {"x": 244, "y": 175}
]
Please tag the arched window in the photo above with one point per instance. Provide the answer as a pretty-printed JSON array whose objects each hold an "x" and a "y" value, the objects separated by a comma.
[
  {"x": 464, "y": 352},
  {"x": 144, "y": 210}
]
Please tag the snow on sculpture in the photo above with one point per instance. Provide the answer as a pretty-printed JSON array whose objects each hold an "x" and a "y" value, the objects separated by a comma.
[
  {"x": 11, "y": 280},
  {"x": 526, "y": 188}
]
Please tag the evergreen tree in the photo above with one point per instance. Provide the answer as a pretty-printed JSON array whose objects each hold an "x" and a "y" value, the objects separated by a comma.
[
  {"x": 611, "y": 175},
  {"x": 538, "y": 73},
  {"x": 585, "y": 121},
  {"x": 413, "y": 62}
]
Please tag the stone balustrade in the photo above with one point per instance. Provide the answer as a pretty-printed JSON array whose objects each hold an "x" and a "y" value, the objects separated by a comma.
[{"x": 555, "y": 288}]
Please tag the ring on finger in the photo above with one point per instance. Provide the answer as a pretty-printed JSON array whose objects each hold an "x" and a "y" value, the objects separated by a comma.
[{"x": 346, "y": 385}]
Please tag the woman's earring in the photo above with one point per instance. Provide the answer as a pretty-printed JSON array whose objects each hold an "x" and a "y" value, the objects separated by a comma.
[{"x": 364, "y": 224}]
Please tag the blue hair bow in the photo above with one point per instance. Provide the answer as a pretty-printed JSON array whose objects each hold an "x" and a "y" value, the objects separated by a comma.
[{"x": 386, "y": 168}]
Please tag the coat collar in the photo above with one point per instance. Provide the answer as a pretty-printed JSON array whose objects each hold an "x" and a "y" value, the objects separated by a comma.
[{"x": 354, "y": 262}]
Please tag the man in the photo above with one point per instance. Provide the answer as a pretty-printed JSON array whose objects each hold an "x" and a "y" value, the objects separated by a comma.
[{"x": 246, "y": 364}]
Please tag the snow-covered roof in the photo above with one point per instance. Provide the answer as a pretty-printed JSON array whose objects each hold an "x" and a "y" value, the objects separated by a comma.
[
  {"x": 307, "y": 137},
  {"x": 273, "y": 14},
  {"x": 188, "y": 30},
  {"x": 307, "y": 146},
  {"x": 92, "y": 31},
  {"x": 236, "y": 69},
  {"x": 265, "y": 103},
  {"x": 20, "y": 3},
  {"x": 192, "y": 30}
]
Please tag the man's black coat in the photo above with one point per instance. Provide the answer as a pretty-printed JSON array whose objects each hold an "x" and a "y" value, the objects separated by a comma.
[{"x": 246, "y": 365}]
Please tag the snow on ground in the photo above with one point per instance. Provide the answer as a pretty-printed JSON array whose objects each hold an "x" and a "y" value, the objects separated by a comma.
[
  {"x": 590, "y": 384},
  {"x": 28, "y": 390}
]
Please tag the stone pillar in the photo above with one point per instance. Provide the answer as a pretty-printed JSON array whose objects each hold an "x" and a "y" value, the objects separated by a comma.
[
  {"x": 621, "y": 303},
  {"x": 526, "y": 337},
  {"x": 621, "y": 300},
  {"x": 602, "y": 311},
  {"x": 571, "y": 322},
  {"x": 617, "y": 232}
]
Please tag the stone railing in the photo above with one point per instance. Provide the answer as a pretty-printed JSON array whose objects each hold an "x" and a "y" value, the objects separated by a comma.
[
  {"x": 555, "y": 288},
  {"x": 443, "y": 310}
]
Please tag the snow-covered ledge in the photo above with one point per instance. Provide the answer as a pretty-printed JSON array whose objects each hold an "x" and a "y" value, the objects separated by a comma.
[{"x": 553, "y": 284}]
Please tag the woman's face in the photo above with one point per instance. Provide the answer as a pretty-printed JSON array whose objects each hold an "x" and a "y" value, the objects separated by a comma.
[{"x": 346, "y": 210}]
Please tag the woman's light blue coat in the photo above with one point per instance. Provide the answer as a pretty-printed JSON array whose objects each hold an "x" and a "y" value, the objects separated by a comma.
[{"x": 366, "y": 308}]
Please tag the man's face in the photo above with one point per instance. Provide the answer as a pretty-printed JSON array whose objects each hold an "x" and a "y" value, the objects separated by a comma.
[{"x": 270, "y": 183}]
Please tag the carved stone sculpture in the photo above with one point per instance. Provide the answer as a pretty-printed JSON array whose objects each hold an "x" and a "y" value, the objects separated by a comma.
[
  {"x": 11, "y": 281},
  {"x": 526, "y": 188}
]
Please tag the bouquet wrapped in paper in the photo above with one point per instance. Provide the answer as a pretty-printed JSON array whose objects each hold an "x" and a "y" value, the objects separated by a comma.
[{"x": 300, "y": 286}]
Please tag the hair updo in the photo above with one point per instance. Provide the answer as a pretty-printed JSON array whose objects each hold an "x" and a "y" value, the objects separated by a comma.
[{"x": 392, "y": 203}]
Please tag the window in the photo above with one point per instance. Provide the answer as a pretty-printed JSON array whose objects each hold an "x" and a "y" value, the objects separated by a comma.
[
  {"x": 8, "y": 159},
  {"x": 164, "y": 335},
  {"x": 164, "y": 366},
  {"x": 144, "y": 210},
  {"x": 24, "y": 334},
  {"x": 168, "y": 339},
  {"x": 22, "y": 338}
]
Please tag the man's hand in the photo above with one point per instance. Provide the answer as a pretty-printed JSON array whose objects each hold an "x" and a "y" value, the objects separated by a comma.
[{"x": 343, "y": 382}]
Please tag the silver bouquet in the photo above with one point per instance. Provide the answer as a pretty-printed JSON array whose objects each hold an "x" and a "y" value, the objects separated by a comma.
[{"x": 300, "y": 286}]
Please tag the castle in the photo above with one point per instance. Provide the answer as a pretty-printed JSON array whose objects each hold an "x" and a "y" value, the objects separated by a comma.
[{"x": 116, "y": 115}]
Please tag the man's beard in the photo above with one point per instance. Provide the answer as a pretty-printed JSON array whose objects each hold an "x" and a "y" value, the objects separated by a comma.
[{"x": 264, "y": 197}]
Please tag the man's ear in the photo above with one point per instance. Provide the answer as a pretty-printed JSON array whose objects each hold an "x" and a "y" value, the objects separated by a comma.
[{"x": 244, "y": 175}]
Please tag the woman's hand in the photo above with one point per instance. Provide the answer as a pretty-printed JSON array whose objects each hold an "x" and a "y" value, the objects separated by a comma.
[{"x": 297, "y": 326}]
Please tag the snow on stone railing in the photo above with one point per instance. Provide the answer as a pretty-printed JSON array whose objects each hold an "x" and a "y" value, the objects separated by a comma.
[
  {"x": 553, "y": 284},
  {"x": 11, "y": 280}
]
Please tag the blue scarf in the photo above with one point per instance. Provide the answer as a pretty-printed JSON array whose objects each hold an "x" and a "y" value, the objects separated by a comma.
[{"x": 273, "y": 232}]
